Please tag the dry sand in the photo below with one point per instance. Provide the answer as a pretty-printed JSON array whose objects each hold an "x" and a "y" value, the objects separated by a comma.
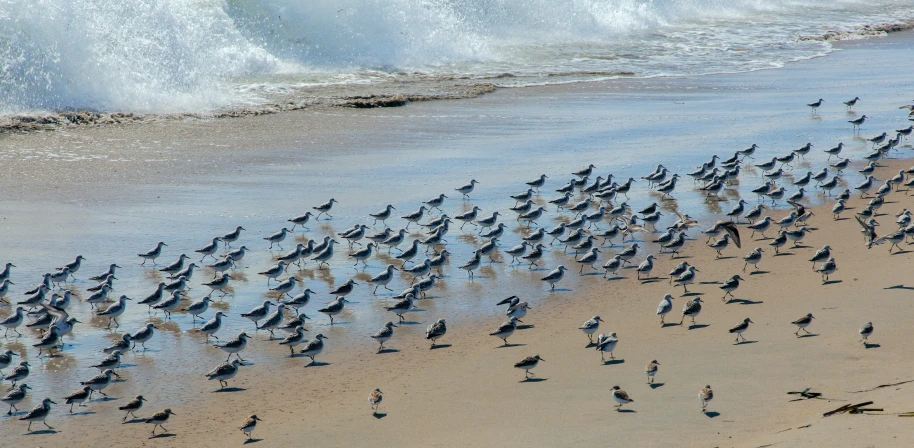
[{"x": 467, "y": 393}]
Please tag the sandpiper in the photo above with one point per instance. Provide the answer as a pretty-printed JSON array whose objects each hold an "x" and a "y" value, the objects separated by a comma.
[
  {"x": 314, "y": 347},
  {"x": 686, "y": 278},
  {"x": 300, "y": 220},
  {"x": 224, "y": 372},
  {"x": 435, "y": 331},
  {"x": 13, "y": 321},
  {"x": 802, "y": 323},
  {"x": 333, "y": 308},
  {"x": 297, "y": 337},
  {"x": 374, "y": 399},
  {"x": 100, "y": 381},
  {"x": 665, "y": 306},
  {"x": 621, "y": 397},
  {"x": 170, "y": 304},
  {"x": 866, "y": 332},
  {"x": 705, "y": 395},
  {"x": 121, "y": 345},
  {"x": 651, "y": 370},
  {"x": 115, "y": 310},
  {"x": 159, "y": 418},
  {"x": 555, "y": 276},
  {"x": 132, "y": 406},
  {"x": 384, "y": 334},
  {"x": 324, "y": 209},
  {"x": 208, "y": 250},
  {"x": 815, "y": 105},
  {"x": 153, "y": 253},
  {"x": 248, "y": 426},
  {"x": 590, "y": 327},
  {"x": 277, "y": 237},
  {"x": 527, "y": 364},
  {"x": 232, "y": 236},
  {"x": 753, "y": 258},
  {"x": 39, "y": 413},
  {"x": 827, "y": 268},
  {"x": 154, "y": 298},
  {"x": 739, "y": 329},
  {"x": 143, "y": 335},
  {"x": 382, "y": 215},
  {"x": 691, "y": 309},
  {"x": 505, "y": 330},
  {"x": 235, "y": 346},
  {"x": 78, "y": 397},
  {"x": 607, "y": 344},
  {"x": 467, "y": 189},
  {"x": 111, "y": 361},
  {"x": 14, "y": 397}
]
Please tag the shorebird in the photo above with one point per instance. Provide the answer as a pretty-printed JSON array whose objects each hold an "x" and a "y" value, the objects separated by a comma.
[
  {"x": 517, "y": 310},
  {"x": 607, "y": 344},
  {"x": 132, "y": 406},
  {"x": 6, "y": 358},
  {"x": 121, "y": 345},
  {"x": 153, "y": 253},
  {"x": 506, "y": 329},
  {"x": 115, "y": 310},
  {"x": 467, "y": 189},
  {"x": 175, "y": 266},
  {"x": 217, "y": 284},
  {"x": 143, "y": 335},
  {"x": 720, "y": 244},
  {"x": 850, "y": 104},
  {"x": 383, "y": 279},
  {"x": 666, "y": 304},
  {"x": 821, "y": 255},
  {"x": 382, "y": 215},
  {"x": 205, "y": 251},
  {"x": 170, "y": 304},
  {"x": 273, "y": 272},
  {"x": 273, "y": 320},
  {"x": 555, "y": 276},
  {"x": 527, "y": 364},
  {"x": 112, "y": 361},
  {"x": 384, "y": 334},
  {"x": 295, "y": 338},
  {"x": 247, "y": 428},
  {"x": 232, "y": 236},
  {"x": 705, "y": 395},
  {"x": 730, "y": 285},
  {"x": 646, "y": 266},
  {"x": 79, "y": 396},
  {"x": 435, "y": 331},
  {"x": 100, "y": 381},
  {"x": 472, "y": 264},
  {"x": 374, "y": 400},
  {"x": 277, "y": 237},
  {"x": 539, "y": 182},
  {"x": 19, "y": 373},
  {"x": 324, "y": 209},
  {"x": 314, "y": 347},
  {"x": 802, "y": 323},
  {"x": 224, "y": 372},
  {"x": 621, "y": 397},
  {"x": 299, "y": 220},
  {"x": 589, "y": 258},
  {"x": 333, "y": 308},
  {"x": 739, "y": 329},
  {"x": 651, "y": 370},
  {"x": 857, "y": 122},
  {"x": 14, "y": 397},
  {"x": 796, "y": 236},
  {"x": 235, "y": 346},
  {"x": 436, "y": 201},
  {"x": 5, "y": 273},
  {"x": 284, "y": 287},
  {"x": 816, "y": 105},
  {"x": 39, "y": 413},
  {"x": 692, "y": 309},
  {"x": 827, "y": 268},
  {"x": 676, "y": 244},
  {"x": 866, "y": 332},
  {"x": 158, "y": 419},
  {"x": 13, "y": 322}
]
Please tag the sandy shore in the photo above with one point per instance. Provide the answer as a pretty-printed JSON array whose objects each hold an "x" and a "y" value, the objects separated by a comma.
[{"x": 110, "y": 192}]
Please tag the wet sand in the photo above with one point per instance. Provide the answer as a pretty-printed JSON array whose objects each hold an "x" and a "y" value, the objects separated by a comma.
[{"x": 113, "y": 191}]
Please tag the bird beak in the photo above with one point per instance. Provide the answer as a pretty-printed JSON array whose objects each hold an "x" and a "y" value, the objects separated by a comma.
[
  {"x": 115, "y": 374},
  {"x": 14, "y": 354},
  {"x": 52, "y": 401}
]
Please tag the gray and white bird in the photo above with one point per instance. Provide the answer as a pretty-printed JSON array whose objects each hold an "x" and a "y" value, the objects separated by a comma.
[
  {"x": 505, "y": 330},
  {"x": 99, "y": 382},
  {"x": 802, "y": 323},
  {"x": 208, "y": 250},
  {"x": 555, "y": 276},
  {"x": 15, "y": 396},
  {"x": 39, "y": 414},
  {"x": 224, "y": 372},
  {"x": 324, "y": 209},
  {"x": 333, "y": 308},
  {"x": 235, "y": 346},
  {"x": 153, "y": 253},
  {"x": 866, "y": 332},
  {"x": 169, "y": 304},
  {"x": 314, "y": 347},
  {"x": 740, "y": 329},
  {"x": 691, "y": 309},
  {"x": 607, "y": 344},
  {"x": 665, "y": 306},
  {"x": 158, "y": 419},
  {"x": 115, "y": 310},
  {"x": 384, "y": 334},
  {"x": 590, "y": 327},
  {"x": 436, "y": 331},
  {"x": 467, "y": 189},
  {"x": 143, "y": 335},
  {"x": 212, "y": 326}
]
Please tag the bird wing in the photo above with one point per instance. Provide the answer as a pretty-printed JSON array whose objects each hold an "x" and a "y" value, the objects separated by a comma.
[
  {"x": 870, "y": 233},
  {"x": 800, "y": 209},
  {"x": 731, "y": 230}
]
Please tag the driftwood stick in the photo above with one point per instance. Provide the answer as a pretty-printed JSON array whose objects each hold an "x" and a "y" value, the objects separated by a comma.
[
  {"x": 847, "y": 408},
  {"x": 882, "y": 386}
]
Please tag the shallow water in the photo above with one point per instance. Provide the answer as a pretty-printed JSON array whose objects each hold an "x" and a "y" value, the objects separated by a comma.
[{"x": 80, "y": 204}]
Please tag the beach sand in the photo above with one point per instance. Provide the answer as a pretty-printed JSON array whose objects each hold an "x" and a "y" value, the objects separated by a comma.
[{"x": 109, "y": 192}]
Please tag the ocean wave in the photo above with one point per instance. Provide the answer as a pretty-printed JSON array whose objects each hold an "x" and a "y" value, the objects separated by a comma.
[{"x": 64, "y": 61}]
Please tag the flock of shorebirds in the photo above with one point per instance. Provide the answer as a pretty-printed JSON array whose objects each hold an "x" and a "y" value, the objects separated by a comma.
[{"x": 592, "y": 209}]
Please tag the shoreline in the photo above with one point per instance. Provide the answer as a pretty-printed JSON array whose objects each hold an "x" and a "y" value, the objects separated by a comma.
[
  {"x": 386, "y": 95},
  {"x": 108, "y": 192}
]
